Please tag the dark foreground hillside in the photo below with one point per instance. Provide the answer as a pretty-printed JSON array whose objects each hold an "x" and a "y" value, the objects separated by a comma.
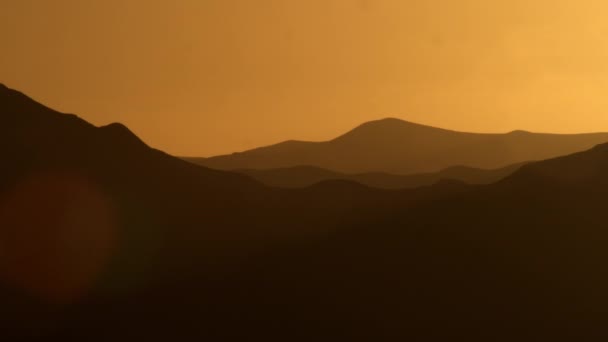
[{"x": 105, "y": 239}]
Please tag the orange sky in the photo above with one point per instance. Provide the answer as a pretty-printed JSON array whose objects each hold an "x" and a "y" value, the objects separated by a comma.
[{"x": 203, "y": 77}]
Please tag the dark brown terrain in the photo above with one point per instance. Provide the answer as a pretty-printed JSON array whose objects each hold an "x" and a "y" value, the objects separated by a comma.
[
  {"x": 303, "y": 176},
  {"x": 105, "y": 239}
]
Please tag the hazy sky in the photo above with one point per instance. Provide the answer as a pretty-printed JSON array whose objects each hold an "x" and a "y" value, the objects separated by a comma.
[{"x": 202, "y": 77}]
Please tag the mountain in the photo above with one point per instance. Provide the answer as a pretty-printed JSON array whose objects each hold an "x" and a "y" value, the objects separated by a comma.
[
  {"x": 92, "y": 220},
  {"x": 77, "y": 200},
  {"x": 105, "y": 239},
  {"x": 521, "y": 259},
  {"x": 303, "y": 176},
  {"x": 399, "y": 147}
]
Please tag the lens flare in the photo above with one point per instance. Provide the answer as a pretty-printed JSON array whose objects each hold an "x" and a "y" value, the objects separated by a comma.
[{"x": 57, "y": 234}]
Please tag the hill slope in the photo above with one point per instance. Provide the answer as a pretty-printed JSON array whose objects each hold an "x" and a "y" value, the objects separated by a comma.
[
  {"x": 303, "y": 176},
  {"x": 105, "y": 239},
  {"x": 400, "y": 147},
  {"x": 521, "y": 259}
]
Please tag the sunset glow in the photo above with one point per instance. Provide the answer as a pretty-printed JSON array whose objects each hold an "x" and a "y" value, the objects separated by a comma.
[{"x": 199, "y": 78}]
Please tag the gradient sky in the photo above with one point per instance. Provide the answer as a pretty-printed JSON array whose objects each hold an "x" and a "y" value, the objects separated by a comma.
[{"x": 204, "y": 77}]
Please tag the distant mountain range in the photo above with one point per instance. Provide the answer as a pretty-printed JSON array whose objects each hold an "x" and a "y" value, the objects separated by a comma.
[
  {"x": 399, "y": 147},
  {"x": 104, "y": 239},
  {"x": 303, "y": 176}
]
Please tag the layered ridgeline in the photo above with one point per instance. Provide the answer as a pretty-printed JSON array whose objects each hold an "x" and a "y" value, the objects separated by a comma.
[
  {"x": 399, "y": 147},
  {"x": 105, "y": 239},
  {"x": 97, "y": 227},
  {"x": 303, "y": 176}
]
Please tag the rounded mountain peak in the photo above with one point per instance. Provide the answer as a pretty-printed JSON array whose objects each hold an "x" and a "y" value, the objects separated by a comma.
[
  {"x": 380, "y": 129},
  {"x": 119, "y": 132}
]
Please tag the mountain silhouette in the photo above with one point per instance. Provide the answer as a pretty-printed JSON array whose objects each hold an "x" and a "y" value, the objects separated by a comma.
[
  {"x": 303, "y": 176},
  {"x": 121, "y": 201},
  {"x": 399, "y": 147},
  {"x": 521, "y": 259},
  {"x": 103, "y": 238}
]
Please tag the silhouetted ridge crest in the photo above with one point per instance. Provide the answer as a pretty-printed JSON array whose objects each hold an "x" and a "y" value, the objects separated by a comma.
[
  {"x": 12, "y": 98},
  {"x": 392, "y": 122},
  {"x": 519, "y": 131},
  {"x": 388, "y": 127},
  {"x": 121, "y": 133},
  {"x": 50, "y": 135},
  {"x": 23, "y": 111},
  {"x": 581, "y": 170},
  {"x": 400, "y": 147},
  {"x": 303, "y": 176},
  {"x": 601, "y": 147}
]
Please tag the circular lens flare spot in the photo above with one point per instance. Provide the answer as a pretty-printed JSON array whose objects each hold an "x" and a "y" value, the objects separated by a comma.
[{"x": 57, "y": 234}]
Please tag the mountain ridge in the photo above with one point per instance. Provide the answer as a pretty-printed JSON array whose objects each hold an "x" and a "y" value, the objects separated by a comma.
[
  {"x": 400, "y": 147},
  {"x": 303, "y": 176},
  {"x": 190, "y": 253}
]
